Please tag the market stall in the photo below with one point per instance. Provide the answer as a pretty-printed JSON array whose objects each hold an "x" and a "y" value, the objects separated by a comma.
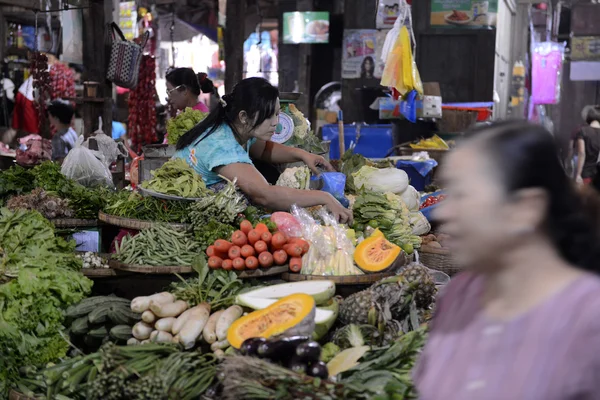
[{"x": 200, "y": 333}]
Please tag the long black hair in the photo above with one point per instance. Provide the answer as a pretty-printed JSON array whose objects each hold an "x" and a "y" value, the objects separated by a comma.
[
  {"x": 195, "y": 83},
  {"x": 256, "y": 96},
  {"x": 526, "y": 156}
]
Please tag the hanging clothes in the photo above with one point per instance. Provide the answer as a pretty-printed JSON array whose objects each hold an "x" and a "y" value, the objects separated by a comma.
[{"x": 25, "y": 115}]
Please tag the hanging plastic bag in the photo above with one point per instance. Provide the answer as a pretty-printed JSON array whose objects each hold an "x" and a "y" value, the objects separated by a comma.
[
  {"x": 84, "y": 166},
  {"x": 110, "y": 149}
]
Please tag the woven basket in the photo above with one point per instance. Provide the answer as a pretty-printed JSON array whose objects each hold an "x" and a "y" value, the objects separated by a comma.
[{"x": 439, "y": 259}]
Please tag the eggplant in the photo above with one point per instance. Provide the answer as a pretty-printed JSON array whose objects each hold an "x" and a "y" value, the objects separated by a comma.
[
  {"x": 297, "y": 365},
  {"x": 282, "y": 348},
  {"x": 318, "y": 370},
  {"x": 250, "y": 346},
  {"x": 309, "y": 351}
]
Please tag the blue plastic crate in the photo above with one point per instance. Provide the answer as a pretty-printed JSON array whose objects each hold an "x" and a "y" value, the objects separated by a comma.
[
  {"x": 374, "y": 141},
  {"x": 428, "y": 211},
  {"x": 416, "y": 178}
]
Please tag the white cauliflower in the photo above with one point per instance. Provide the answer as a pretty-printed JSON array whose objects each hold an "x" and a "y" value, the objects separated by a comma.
[{"x": 296, "y": 178}]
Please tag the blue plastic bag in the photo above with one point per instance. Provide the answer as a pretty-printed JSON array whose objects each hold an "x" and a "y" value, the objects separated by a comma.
[{"x": 334, "y": 184}]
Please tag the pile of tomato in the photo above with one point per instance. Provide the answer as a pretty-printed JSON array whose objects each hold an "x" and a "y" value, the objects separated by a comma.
[
  {"x": 431, "y": 200},
  {"x": 253, "y": 247}
]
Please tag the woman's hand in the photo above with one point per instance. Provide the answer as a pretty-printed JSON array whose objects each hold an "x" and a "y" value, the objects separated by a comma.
[
  {"x": 316, "y": 162},
  {"x": 341, "y": 214}
]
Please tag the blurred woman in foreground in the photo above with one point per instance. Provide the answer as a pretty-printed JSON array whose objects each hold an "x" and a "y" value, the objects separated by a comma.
[{"x": 523, "y": 320}]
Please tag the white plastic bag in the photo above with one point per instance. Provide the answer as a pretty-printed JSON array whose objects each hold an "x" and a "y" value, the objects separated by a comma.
[{"x": 82, "y": 165}]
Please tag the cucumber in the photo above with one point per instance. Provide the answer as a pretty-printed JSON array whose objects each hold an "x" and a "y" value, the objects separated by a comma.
[
  {"x": 121, "y": 315},
  {"x": 80, "y": 326},
  {"x": 100, "y": 314},
  {"x": 121, "y": 332},
  {"x": 88, "y": 305},
  {"x": 99, "y": 332}
]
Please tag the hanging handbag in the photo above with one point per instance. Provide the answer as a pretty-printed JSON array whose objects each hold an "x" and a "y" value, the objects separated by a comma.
[{"x": 125, "y": 57}]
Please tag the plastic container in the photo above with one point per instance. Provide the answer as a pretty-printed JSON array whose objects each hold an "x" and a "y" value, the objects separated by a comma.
[
  {"x": 428, "y": 211},
  {"x": 374, "y": 141}
]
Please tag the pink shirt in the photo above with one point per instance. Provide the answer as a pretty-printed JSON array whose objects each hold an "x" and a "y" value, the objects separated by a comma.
[
  {"x": 201, "y": 107},
  {"x": 549, "y": 353}
]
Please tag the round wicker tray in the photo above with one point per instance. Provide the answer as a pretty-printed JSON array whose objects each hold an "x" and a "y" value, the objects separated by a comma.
[
  {"x": 136, "y": 224},
  {"x": 74, "y": 222},
  {"x": 14, "y": 395},
  {"x": 439, "y": 259},
  {"x": 99, "y": 272},
  {"x": 262, "y": 272},
  {"x": 150, "y": 269}
]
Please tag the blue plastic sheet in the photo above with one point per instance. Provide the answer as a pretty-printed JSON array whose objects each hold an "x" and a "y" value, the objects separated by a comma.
[
  {"x": 422, "y": 167},
  {"x": 334, "y": 184}
]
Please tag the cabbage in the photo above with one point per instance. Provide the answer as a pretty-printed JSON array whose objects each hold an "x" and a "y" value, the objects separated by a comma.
[
  {"x": 411, "y": 198},
  {"x": 381, "y": 180},
  {"x": 419, "y": 223}
]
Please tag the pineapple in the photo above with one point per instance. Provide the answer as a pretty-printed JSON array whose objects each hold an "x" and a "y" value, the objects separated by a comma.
[{"x": 422, "y": 285}]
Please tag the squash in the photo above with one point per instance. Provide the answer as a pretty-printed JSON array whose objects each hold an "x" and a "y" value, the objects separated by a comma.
[
  {"x": 376, "y": 233},
  {"x": 376, "y": 254},
  {"x": 292, "y": 315}
]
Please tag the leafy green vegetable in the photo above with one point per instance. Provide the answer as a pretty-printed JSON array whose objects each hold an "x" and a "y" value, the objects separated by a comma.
[
  {"x": 133, "y": 205},
  {"x": 223, "y": 206},
  {"x": 390, "y": 214},
  {"x": 207, "y": 234},
  {"x": 182, "y": 123},
  {"x": 176, "y": 178},
  {"x": 218, "y": 287},
  {"x": 45, "y": 281},
  {"x": 14, "y": 181}
]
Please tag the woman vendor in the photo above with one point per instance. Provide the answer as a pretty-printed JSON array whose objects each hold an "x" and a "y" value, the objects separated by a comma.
[
  {"x": 184, "y": 87},
  {"x": 240, "y": 128}
]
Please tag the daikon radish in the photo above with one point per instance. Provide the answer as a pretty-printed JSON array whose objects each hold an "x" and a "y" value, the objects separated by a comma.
[
  {"x": 145, "y": 341},
  {"x": 133, "y": 342},
  {"x": 165, "y": 324},
  {"x": 223, "y": 344},
  {"x": 153, "y": 336},
  {"x": 220, "y": 354},
  {"x": 229, "y": 317},
  {"x": 142, "y": 303},
  {"x": 148, "y": 317},
  {"x": 194, "y": 326},
  {"x": 175, "y": 339},
  {"x": 182, "y": 319},
  {"x": 209, "y": 333},
  {"x": 141, "y": 331},
  {"x": 163, "y": 310},
  {"x": 163, "y": 337}
]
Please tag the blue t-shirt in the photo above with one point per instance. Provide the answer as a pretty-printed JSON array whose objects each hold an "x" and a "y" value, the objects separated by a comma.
[
  {"x": 218, "y": 149},
  {"x": 118, "y": 130}
]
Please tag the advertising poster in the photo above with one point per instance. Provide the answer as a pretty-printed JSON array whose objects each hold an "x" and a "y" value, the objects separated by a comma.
[
  {"x": 306, "y": 27},
  {"x": 362, "y": 53},
  {"x": 389, "y": 10},
  {"x": 464, "y": 13}
]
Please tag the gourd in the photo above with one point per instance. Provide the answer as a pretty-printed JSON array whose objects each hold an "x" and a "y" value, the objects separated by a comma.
[
  {"x": 292, "y": 315},
  {"x": 376, "y": 254},
  {"x": 377, "y": 233}
]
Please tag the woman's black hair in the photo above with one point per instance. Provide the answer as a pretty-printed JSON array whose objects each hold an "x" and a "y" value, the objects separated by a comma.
[
  {"x": 256, "y": 96},
  {"x": 593, "y": 115},
  {"x": 526, "y": 156},
  {"x": 188, "y": 78},
  {"x": 363, "y": 67}
]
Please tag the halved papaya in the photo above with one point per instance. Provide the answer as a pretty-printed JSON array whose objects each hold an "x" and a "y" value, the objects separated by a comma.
[{"x": 376, "y": 254}]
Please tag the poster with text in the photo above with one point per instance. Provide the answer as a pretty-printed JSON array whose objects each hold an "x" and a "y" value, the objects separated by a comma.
[
  {"x": 467, "y": 14},
  {"x": 361, "y": 58}
]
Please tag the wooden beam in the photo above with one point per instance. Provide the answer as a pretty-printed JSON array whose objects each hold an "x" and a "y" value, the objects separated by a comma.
[
  {"x": 95, "y": 57},
  {"x": 234, "y": 43}
]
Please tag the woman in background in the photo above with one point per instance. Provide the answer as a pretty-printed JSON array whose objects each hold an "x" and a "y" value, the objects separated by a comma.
[
  {"x": 184, "y": 87},
  {"x": 523, "y": 320},
  {"x": 587, "y": 145}
]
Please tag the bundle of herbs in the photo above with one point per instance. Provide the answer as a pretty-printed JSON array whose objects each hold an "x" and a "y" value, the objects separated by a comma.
[
  {"x": 217, "y": 287},
  {"x": 147, "y": 372},
  {"x": 223, "y": 206},
  {"x": 133, "y": 205}
]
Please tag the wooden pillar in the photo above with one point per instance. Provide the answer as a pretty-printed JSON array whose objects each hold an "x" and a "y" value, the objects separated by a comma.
[
  {"x": 234, "y": 42},
  {"x": 358, "y": 14},
  {"x": 95, "y": 58}
]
